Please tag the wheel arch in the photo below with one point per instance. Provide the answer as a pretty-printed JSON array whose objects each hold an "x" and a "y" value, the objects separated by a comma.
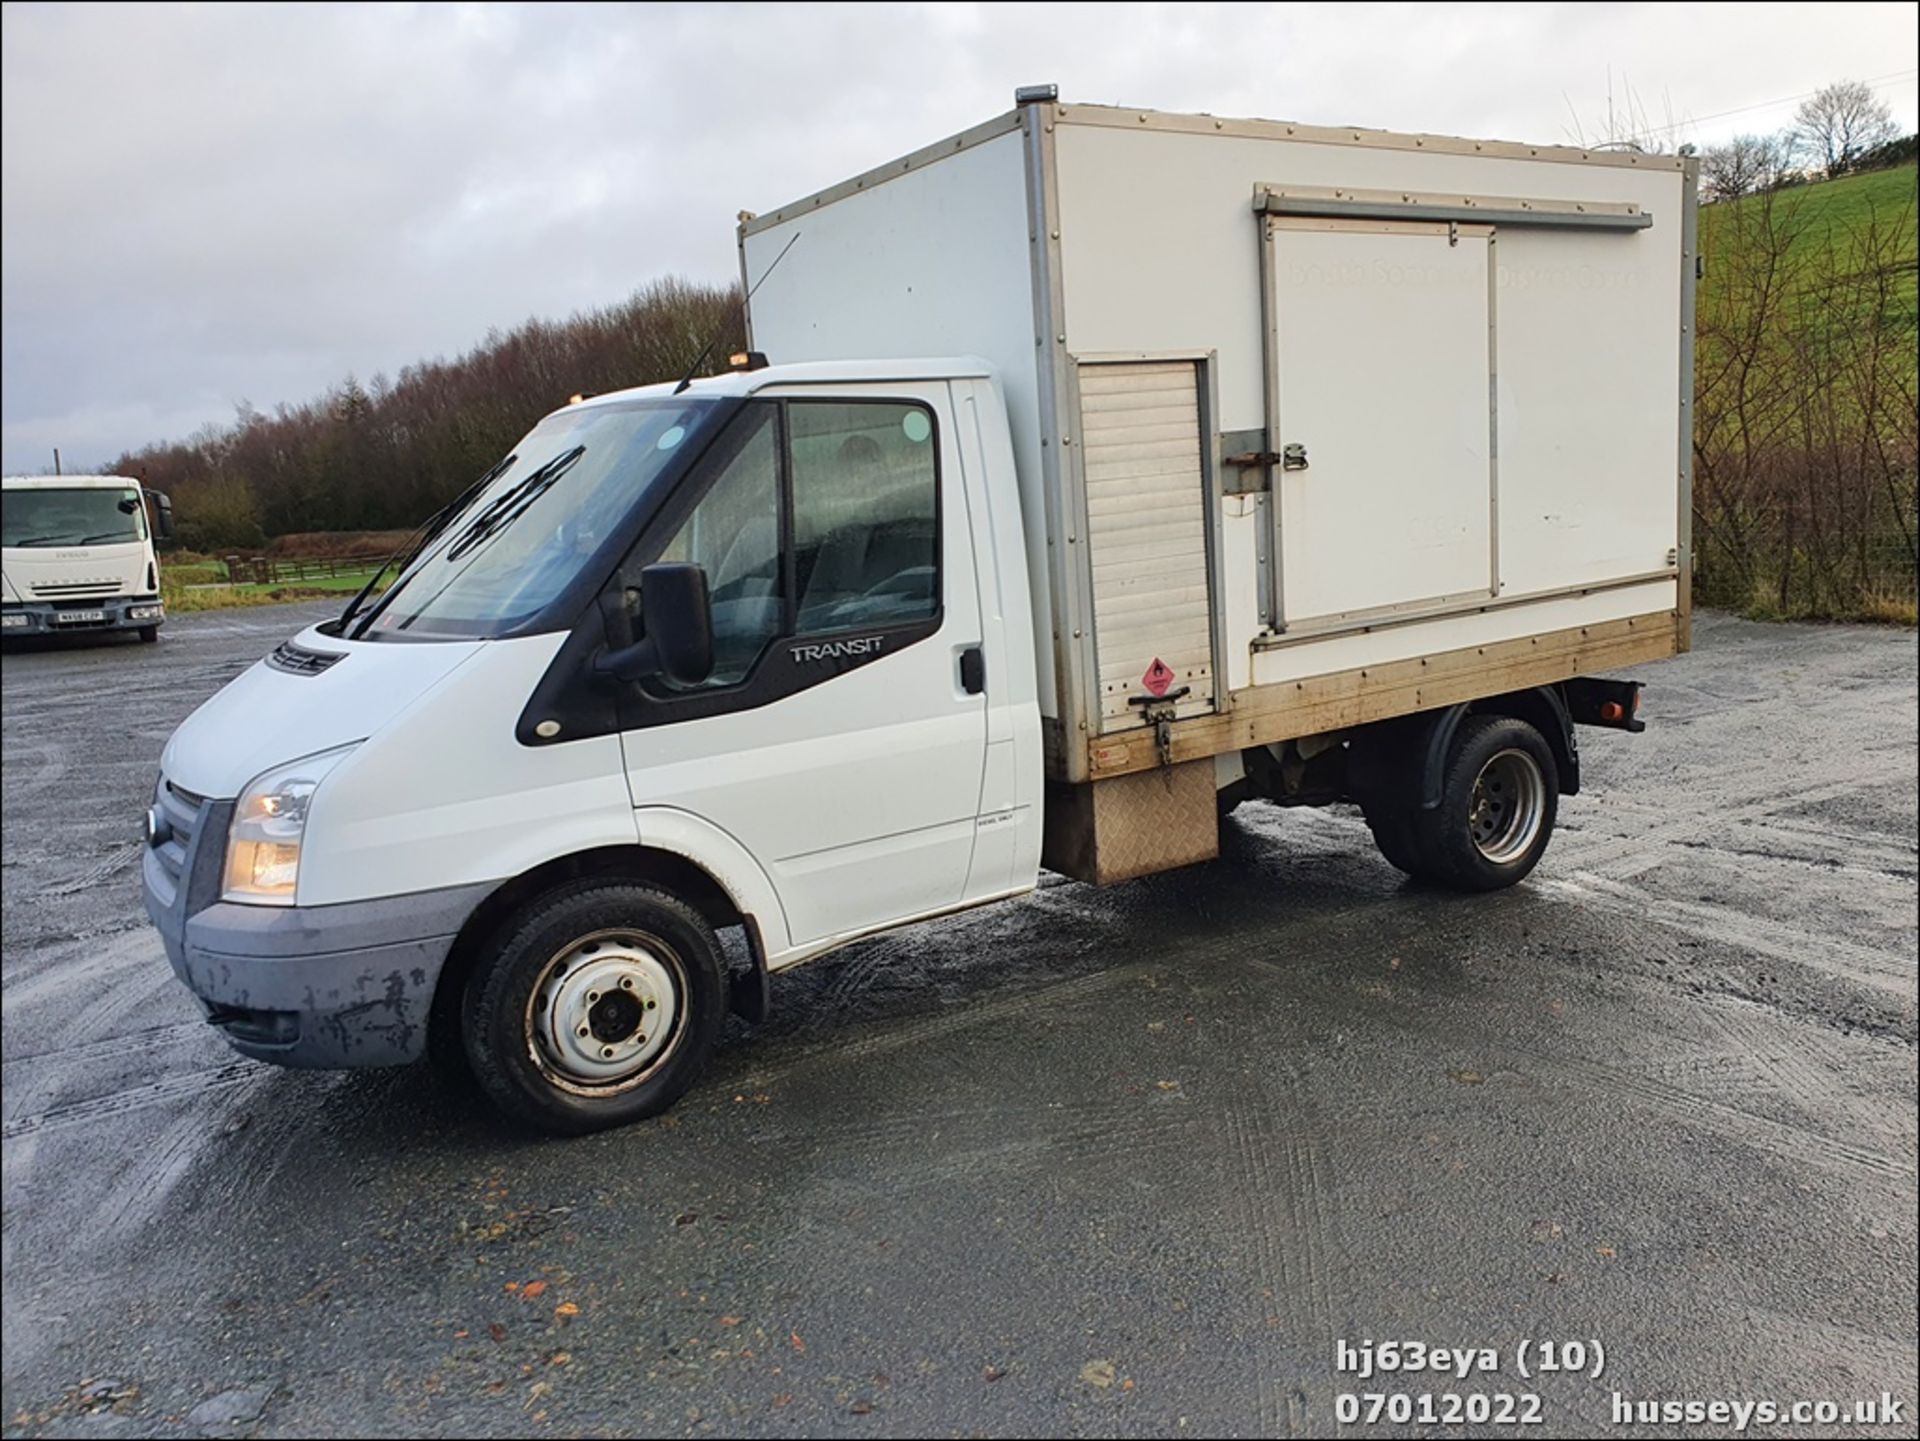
[
  {"x": 669, "y": 868},
  {"x": 1545, "y": 709},
  {"x": 1408, "y": 755}
]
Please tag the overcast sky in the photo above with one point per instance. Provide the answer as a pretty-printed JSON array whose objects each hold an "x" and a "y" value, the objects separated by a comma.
[{"x": 211, "y": 203}]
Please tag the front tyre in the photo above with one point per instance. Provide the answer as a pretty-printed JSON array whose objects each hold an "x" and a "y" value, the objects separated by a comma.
[
  {"x": 1499, "y": 798},
  {"x": 149, "y": 634},
  {"x": 598, "y": 1004}
]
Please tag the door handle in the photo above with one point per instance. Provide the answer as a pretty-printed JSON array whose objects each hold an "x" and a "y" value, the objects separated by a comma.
[{"x": 973, "y": 670}]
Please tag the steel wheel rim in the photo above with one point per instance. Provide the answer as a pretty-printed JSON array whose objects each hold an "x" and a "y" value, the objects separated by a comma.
[
  {"x": 607, "y": 1011},
  {"x": 1508, "y": 805}
]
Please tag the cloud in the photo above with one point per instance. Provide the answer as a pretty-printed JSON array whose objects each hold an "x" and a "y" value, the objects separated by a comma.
[{"x": 215, "y": 202}]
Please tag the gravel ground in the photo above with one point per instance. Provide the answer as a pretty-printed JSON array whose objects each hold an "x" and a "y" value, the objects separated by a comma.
[{"x": 1092, "y": 1163}]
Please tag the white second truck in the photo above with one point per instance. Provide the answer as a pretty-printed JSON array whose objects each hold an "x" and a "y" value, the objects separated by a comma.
[
  {"x": 1120, "y": 467},
  {"x": 76, "y": 555}
]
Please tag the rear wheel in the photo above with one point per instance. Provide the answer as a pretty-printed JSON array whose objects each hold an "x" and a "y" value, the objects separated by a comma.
[
  {"x": 1392, "y": 829},
  {"x": 598, "y": 1005},
  {"x": 1499, "y": 798}
]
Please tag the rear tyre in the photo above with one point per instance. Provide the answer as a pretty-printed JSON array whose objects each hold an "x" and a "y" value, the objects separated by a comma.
[
  {"x": 1499, "y": 797},
  {"x": 149, "y": 634},
  {"x": 597, "y": 1005},
  {"x": 1393, "y": 833}
]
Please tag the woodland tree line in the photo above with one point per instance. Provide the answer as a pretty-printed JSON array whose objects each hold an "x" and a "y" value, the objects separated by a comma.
[{"x": 385, "y": 454}]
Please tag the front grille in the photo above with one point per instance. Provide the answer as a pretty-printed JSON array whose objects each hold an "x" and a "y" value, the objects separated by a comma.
[
  {"x": 298, "y": 660},
  {"x": 180, "y": 809},
  {"x": 78, "y": 590}
]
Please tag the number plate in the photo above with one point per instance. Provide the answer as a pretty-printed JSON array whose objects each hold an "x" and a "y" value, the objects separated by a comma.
[{"x": 79, "y": 617}]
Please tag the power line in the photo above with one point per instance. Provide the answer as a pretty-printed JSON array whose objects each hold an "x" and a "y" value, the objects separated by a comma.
[{"x": 1875, "y": 83}]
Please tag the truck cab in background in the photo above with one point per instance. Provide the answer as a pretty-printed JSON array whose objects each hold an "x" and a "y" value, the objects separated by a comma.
[{"x": 76, "y": 554}]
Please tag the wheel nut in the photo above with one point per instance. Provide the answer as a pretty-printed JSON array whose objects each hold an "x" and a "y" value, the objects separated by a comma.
[
  {"x": 592, "y": 996},
  {"x": 626, "y": 983},
  {"x": 582, "y": 1031},
  {"x": 606, "y": 1052},
  {"x": 651, "y": 1003}
]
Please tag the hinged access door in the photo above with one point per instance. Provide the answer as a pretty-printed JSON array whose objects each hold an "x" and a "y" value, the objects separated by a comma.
[
  {"x": 1145, "y": 434},
  {"x": 1380, "y": 360}
]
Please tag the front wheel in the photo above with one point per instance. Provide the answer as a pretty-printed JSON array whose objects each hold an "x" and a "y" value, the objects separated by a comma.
[
  {"x": 598, "y": 1005},
  {"x": 1499, "y": 798},
  {"x": 149, "y": 634}
]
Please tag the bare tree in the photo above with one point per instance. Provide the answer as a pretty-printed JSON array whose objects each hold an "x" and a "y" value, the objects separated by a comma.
[
  {"x": 1745, "y": 164},
  {"x": 1843, "y": 122}
]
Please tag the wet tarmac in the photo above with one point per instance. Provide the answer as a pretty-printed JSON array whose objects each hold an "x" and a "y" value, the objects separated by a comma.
[{"x": 1091, "y": 1163}]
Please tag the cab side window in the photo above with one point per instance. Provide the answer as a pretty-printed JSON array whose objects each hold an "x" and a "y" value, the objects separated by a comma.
[
  {"x": 818, "y": 518},
  {"x": 865, "y": 515},
  {"x": 734, "y": 535}
]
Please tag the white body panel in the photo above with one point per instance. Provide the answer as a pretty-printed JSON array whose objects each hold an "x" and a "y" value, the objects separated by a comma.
[{"x": 443, "y": 794}]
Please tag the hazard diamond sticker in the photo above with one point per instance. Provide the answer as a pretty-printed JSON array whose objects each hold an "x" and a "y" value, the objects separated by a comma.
[{"x": 1158, "y": 677}]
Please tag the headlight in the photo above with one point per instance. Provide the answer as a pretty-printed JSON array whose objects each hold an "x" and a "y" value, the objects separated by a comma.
[
  {"x": 263, "y": 843},
  {"x": 146, "y": 612},
  {"x": 14, "y": 619}
]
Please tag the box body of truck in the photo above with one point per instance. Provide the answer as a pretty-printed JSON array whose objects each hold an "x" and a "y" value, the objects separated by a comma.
[{"x": 1314, "y": 427}]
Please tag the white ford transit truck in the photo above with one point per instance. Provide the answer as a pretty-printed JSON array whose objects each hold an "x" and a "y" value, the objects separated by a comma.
[
  {"x": 1116, "y": 467},
  {"x": 76, "y": 554}
]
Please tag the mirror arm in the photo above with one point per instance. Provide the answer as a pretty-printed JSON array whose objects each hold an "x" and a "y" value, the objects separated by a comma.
[{"x": 630, "y": 662}]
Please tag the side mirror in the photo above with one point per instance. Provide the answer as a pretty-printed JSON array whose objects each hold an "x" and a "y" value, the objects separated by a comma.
[
  {"x": 678, "y": 616},
  {"x": 162, "y": 504}
]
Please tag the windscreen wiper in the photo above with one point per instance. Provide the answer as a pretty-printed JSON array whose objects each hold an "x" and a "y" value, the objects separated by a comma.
[
  {"x": 424, "y": 536},
  {"x": 505, "y": 509},
  {"x": 500, "y": 512}
]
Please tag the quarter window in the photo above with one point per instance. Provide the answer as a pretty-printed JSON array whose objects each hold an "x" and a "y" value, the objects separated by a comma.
[{"x": 734, "y": 535}]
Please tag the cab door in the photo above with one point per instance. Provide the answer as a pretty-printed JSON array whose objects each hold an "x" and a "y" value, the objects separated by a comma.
[{"x": 837, "y": 739}]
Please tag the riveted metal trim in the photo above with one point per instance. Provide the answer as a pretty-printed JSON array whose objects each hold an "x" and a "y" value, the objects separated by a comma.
[
  {"x": 892, "y": 170},
  {"x": 1125, "y": 119},
  {"x": 1345, "y": 204}
]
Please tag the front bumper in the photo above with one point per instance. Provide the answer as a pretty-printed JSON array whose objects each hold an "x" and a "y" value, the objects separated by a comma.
[
  {"x": 324, "y": 987},
  {"x": 114, "y": 612}
]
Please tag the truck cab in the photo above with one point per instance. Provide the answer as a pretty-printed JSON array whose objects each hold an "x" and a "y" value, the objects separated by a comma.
[
  {"x": 77, "y": 555},
  {"x": 754, "y": 654}
]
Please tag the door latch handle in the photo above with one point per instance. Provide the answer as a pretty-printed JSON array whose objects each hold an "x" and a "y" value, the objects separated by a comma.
[
  {"x": 1293, "y": 457},
  {"x": 973, "y": 670}
]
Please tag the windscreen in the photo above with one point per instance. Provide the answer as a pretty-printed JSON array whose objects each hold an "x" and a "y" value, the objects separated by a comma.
[
  {"x": 71, "y": 517},
  {"x": 544, "y": 516}
]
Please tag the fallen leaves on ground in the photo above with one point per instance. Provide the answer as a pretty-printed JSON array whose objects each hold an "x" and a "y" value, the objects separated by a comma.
[{"x": 1099, "y": 1373}]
